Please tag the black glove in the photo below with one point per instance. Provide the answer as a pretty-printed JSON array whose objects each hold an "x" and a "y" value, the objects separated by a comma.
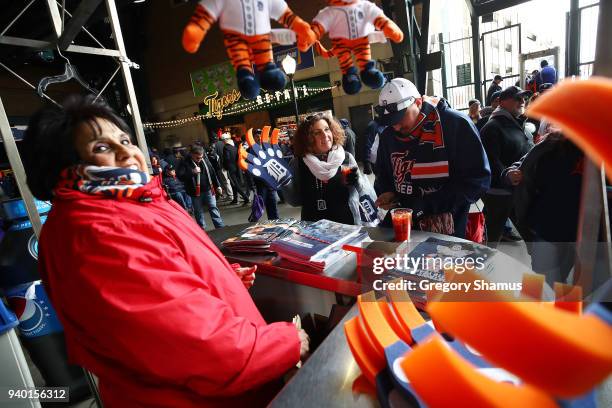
[{"x": 367, "y": 167}]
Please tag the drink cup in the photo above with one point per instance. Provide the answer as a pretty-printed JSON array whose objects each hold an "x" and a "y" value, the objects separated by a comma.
[{"x": 402, "y": 223}]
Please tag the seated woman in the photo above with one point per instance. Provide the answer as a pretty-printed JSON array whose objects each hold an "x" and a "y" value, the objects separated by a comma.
[
  {"x": 318, "y": 184},
  {"x": 148, "y": 303}
]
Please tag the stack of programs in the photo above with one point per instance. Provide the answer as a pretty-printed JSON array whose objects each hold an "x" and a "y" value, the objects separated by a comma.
[
  {"x": 313, "y": 246},
  {"x": 257, "y": 238}
]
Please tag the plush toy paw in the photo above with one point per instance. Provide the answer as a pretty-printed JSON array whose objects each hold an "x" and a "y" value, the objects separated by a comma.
[
  {"x": 393, "y": 32},
  {"x": 192, "y": 37},
  {"x": 371, "y": 76},
  {"x": 305, "y": 36},
  {"x": 271, "y": 77},
  {"x": 351, "y": 82},
  {"x": 247, "y": 83}
]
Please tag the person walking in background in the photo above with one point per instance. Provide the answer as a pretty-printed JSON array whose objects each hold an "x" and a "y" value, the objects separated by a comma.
[
  {"x": 350, "y": 137},
  {"x": 230, "y": 164},
  {"x": 373, "y": 131},
  {"x": 202, "y": 184},
  {"x": 218, "y": 144},
  {"x": 506, "y": 141},
  {"x": 548, "y": 75},
  {"x": 474, "y": 110},
  {"x": 494, "y": 87},
  {"x": 176, "y": 188},
  {"x": 485, "y": 113}
]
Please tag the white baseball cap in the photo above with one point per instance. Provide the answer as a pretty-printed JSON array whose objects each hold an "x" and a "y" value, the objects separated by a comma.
[{"x": 395, "y": 97}]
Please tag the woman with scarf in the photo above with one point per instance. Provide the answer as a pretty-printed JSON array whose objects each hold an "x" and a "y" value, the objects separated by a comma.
[
  {"x": 148, "y": 303},
  {"x": 319, "y": 185}
]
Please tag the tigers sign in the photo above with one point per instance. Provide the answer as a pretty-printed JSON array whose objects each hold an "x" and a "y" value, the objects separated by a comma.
[{"x": 217, "y": 104}]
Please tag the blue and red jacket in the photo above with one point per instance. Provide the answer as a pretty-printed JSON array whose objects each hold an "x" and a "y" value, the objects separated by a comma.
[{"x": 440, "y": 167}]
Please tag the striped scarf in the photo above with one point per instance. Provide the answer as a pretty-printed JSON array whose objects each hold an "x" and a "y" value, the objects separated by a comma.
[{"x": 116, "y": 182}]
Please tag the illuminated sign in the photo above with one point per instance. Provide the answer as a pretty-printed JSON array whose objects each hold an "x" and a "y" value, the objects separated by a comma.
[{"x": 217, "y": 104}]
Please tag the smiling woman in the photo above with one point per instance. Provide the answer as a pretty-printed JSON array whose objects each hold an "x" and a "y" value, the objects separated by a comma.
[{"x": 137, "y": 284}]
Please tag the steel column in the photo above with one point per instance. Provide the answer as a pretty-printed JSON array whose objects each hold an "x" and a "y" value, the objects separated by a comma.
[
  {"x": 127, "y": 80},
  {"x": 593, "y": 213},
  {"x": 20, "y": 176},
  {"x": 476, "y": 57}
]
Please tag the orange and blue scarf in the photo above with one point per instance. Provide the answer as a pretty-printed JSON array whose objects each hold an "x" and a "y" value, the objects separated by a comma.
[{"x": 112, "y": 182}]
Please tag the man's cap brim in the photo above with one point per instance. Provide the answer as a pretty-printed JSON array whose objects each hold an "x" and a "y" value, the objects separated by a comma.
[{"x": 391, "y": 119}]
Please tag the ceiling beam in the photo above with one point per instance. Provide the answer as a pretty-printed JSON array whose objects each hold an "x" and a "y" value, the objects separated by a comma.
[
  {"x": 37, "y": 44},
  {"x": 495, "y": 5},
  {"x": 80, "y": 16}
]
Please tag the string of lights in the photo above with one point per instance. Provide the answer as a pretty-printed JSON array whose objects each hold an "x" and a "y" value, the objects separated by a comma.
[{"x": 236, "y": 109}]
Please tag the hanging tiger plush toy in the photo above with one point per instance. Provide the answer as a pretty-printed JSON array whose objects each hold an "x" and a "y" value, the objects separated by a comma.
[
  {"x": 246, "y": 34},
  {"x": 348, "y": 23}
]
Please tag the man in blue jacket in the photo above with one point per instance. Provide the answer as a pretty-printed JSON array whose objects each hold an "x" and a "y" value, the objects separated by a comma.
[{"x": 430, "y": 158}]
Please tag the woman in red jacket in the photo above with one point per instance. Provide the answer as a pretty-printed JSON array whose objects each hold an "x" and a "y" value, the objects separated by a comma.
[{"x": 148, "y": 303}]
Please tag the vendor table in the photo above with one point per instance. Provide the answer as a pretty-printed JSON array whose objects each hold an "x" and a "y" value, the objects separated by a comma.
[{"x": 327, "y": 376}]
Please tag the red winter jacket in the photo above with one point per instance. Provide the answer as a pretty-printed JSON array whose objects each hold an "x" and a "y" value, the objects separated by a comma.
[{"x": 152, "y": 308}]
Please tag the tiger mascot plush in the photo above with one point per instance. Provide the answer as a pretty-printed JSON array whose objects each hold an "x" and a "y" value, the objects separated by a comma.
[
  {"x": 348, "y": 23},
  {"x": 246, "y": 34}
]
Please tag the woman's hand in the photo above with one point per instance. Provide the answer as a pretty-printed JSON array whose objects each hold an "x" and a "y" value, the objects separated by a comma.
[
  {"x": 387, "y": 200},
  {"x": 304, "y": 343},
  {"x": 246, "y": 274},
  {"x": 515, "y": 177}
]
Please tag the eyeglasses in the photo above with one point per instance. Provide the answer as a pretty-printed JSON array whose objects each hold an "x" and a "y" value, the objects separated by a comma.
[{"x": 392, "y": 107}]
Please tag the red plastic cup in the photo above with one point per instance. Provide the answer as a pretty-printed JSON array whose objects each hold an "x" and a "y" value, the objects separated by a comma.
[{"x": 402, "y": 223}]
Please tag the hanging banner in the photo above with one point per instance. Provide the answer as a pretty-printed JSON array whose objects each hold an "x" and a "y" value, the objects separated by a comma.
[
  {"x": 216, "y": 78},
  {"x": 304, "y": 59}
]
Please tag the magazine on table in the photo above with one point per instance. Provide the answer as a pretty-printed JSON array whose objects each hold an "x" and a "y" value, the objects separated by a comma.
[
  {"x": 311, "y": 241},
  {"x": 258, "y": 238},
  {"x": 430, "y": 257}
]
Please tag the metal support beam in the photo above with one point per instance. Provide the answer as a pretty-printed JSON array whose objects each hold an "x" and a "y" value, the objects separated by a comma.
[
  {"x": 80, "y": 16},
  {"x": 444, "y": 83},
  {"x": 496, "y": 5},
  {"x": 476, "y": 58},
  {"x": 20, "y": 177},
  {"x": 37, "y": 44},
  {"x": 573, "y": 40},
  {"x": 56, "y": 18},
  {"x": 421, "y": 79},
  {"x": 127, "y": 79},
  {"x": 397, "y": 10},
  {"x": 594, "y": 220}
]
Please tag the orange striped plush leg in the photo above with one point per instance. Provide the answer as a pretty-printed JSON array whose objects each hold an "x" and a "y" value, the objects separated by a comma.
[{"x": 237, "y": 49}]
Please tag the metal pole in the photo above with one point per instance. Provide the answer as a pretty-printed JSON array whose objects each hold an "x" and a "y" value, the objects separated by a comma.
[
  {"x": 476, "y": 57},
  {"x": 442, "y": 50},
  {"x": 20, "y": 176},
  {"x": 297, "y": 112},
  {"x": 573, "y": 34},
  {"x": 127, "y": 80},
  {"x": 593, "y": 202}
]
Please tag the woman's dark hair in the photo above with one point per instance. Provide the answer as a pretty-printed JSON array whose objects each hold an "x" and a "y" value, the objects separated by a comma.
[
  {"x": 48, "y": 143},
  {"x": 303, "y": 140}
]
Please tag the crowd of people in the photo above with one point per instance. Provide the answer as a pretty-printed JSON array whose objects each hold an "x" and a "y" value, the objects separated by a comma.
[{"x": 123, "y": 264}]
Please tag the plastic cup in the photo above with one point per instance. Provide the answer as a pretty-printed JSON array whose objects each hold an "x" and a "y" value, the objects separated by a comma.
[{"x": 402, "y": 223}]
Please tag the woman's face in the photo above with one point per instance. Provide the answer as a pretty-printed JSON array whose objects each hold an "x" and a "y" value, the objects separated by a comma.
[
  {"x": 323, "y": 137},
  {"x": 111, "y": 147}
]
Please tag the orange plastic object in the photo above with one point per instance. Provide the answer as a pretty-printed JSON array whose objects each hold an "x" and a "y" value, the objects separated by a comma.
[
  {"x": 249, "y": 137},
  {"x": 380, "y": 331},
  {"x": 365, "y": 338},
  {"x": 265, "y": 132},
  {"x": 362, "y": 385},
  {"x": 405, "y": 311},
  {"x": 568, "y": 297},
  {"x": 533, "y": 285},
  {"x": 368, "y": 363},
  {"x": 559, "y": 106},
  {"x": 442, "y": 378},
  {"x": 563, "y": 353},
  {"x": 394, "y": 322},
  {"x": 274, "y": 137}
]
